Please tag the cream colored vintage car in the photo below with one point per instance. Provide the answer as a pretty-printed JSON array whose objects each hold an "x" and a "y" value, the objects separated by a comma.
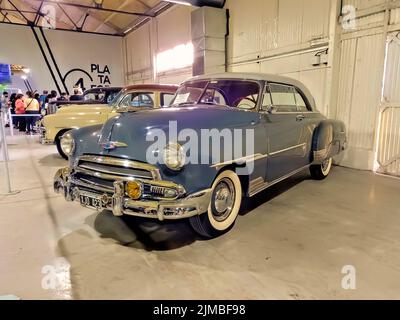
[{"x": 78, "y": 116}]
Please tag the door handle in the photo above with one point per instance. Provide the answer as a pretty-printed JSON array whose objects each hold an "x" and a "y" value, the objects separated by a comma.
[{"x": 300, "y": 117}]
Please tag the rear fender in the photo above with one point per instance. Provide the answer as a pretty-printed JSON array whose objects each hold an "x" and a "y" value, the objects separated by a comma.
[{"x": 329, "y": 139}]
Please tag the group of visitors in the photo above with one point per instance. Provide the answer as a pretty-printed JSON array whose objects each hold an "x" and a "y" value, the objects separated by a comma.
[{"x": 25, "y": 107}]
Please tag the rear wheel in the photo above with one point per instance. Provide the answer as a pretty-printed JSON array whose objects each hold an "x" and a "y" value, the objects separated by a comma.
[
  {"x": 224, "y": 207},
  {"x": 321, "y": 171}
]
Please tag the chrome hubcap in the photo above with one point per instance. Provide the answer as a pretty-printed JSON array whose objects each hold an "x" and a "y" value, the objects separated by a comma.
[{"x": 223, "y": 200}]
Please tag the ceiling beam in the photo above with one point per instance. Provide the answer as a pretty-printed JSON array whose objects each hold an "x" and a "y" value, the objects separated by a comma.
[
  {"x": 82, "y": 6},
  {"x": 19, "y": 12},
  {"x": 61, "y": 29},
  {"x": 109, "y": 17},
  {"x": 68, "y": 16}
]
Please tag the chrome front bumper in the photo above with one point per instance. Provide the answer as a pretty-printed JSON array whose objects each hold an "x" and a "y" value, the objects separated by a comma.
[
  {"x": 42, "y": 135},
  {"x": 120, "y": 204}
]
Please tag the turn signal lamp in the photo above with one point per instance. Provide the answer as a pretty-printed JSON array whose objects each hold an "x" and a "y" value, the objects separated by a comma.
[{"x": 134, "y": 190}]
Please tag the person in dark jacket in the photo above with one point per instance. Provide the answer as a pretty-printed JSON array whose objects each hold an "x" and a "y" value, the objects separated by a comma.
[{"x": 76, "y": 96}]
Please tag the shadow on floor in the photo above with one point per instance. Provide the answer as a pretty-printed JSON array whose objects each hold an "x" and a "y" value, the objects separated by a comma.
[
  {"x": 250, "y": 204},
  {"x": 52, "y": 160},
  {"x": 152, "y": 235},
  {"x": 141, "y": 233}
]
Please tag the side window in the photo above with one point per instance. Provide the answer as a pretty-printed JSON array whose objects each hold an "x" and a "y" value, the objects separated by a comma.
[
  {"x": 94, "y": 96},
  {"x": 135, "y": 100},
  {"x": 283, "y": 97},
  {"x": 166, "y": 98},
  {"x": 142, "y": 100},
  {"x": 301, "y": 104},
  {"x": 111, "y": 97},
  {"x": 267, "y": 100}
]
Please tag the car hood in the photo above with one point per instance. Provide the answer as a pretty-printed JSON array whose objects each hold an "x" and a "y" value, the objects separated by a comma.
[
  {"x": 87, "y": 108},
  {"x": 136, "y": 129}
]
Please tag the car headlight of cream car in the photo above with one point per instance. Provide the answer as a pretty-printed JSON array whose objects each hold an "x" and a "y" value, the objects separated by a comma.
[
  {"x": 174, "y": 156},
  {"x": 68, "y": 144}
]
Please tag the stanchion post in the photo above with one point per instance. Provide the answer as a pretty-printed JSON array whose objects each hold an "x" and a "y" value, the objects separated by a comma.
[{"x": 5, "y": 155}]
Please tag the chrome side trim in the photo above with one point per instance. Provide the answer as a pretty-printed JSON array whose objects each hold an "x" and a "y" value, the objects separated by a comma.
[
  {"x": 251, "y": 158},
  {"x": 265, "y": 185},
  {"x": 121, "y": 163},
  {"x": 288, "y": 149}
]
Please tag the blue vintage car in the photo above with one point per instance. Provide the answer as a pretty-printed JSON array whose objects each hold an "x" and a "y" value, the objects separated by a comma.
[{"x": 224, "y": 137}]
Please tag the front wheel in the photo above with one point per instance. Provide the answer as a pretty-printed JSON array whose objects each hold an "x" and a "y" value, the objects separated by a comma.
[
  {"x": 59, "y": 147},
  {"x": 321, "y": 171},
  {"x": 226, "y": 198}
]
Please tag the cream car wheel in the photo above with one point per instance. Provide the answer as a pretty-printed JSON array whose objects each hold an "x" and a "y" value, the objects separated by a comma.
[{"x": 224, "y": 207}]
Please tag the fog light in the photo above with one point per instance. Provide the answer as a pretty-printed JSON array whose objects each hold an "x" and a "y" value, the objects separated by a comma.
[{"x": 134, "y": 190}]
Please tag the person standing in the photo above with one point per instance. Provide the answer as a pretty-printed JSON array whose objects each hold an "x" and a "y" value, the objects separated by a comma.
[
  {"x": 76, "y": 96},
  {"x": 31, "y": 107},
  {"x": 20, "y": 110},
  {"x": 4, "y": 106},
  {"x": 12, "y": 109}
]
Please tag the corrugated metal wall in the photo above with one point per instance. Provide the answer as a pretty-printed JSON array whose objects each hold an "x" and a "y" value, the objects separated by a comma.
[
  {"x": 274, "y": 28},
  {"x": 359, "y": 97},
  {"x": 163, "y": 33},
  {"x": 388, "y": 156}
]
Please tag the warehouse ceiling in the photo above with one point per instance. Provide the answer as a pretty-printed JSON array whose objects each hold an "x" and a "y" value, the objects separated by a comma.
[{"x": 114, "y": 17}]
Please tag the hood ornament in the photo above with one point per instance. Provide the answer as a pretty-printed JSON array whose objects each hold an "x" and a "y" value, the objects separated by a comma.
[{"x": 111, "y": 145}]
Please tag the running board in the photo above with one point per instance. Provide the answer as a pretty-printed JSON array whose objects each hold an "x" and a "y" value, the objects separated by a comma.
[{"x": 259, "y": 187}]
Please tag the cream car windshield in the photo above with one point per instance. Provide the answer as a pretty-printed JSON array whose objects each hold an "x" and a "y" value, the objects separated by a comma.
[
  {"x": 239, "y": 94},
  {"x": 115, "y": 101}
]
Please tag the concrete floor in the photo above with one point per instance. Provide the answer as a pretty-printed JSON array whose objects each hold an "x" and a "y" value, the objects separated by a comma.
[{"x": 291, "y": 242}]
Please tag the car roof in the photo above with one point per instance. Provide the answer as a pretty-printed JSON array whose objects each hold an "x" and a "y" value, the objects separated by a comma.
[
  {"x": 258, "y": 77},
  {"x": 153, "y": 86},
  {"x": 102, "y": 89}
]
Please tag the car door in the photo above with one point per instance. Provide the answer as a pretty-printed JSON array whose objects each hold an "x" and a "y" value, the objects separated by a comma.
[
  {"x": 311, "y": 119},
  {"x": 284, "y": 126}
]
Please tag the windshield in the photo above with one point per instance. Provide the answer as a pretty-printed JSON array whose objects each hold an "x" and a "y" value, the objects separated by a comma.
[
  {"x": 114, "y": 102},
  {"x": 240, "y": 94}
]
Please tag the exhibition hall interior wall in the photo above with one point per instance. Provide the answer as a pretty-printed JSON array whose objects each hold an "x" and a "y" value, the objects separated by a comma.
[
  {"x": 342, "y": 64},
  {"x": 84, "y": 59}
]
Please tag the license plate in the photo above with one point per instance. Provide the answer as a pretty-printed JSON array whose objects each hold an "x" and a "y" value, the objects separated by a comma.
[{"x": 91, "y": 202}]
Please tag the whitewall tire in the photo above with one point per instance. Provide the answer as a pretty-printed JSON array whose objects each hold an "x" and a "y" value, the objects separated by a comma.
[
  {"x": 321, "y": 171},
  {"x": 223, "y": 210}
]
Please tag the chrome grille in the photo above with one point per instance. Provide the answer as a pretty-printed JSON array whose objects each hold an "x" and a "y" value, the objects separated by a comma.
[
  {"x": 158, "y": 191},
  {"x": 99, "y": 173}
]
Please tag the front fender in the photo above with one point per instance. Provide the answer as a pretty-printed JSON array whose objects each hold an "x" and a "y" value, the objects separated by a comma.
[{"x": 329, "y": 139}]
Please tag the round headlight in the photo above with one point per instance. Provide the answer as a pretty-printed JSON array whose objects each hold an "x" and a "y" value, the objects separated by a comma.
[
  {"x": 174, "y": 156},
  {"x": 67, "y": 144}
]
